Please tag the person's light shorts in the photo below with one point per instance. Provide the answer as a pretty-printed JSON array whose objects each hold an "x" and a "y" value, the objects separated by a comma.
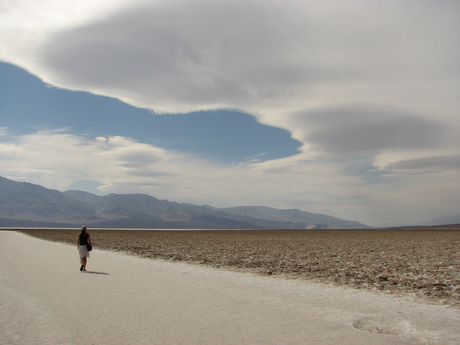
[{"x": 83, "y": 252}]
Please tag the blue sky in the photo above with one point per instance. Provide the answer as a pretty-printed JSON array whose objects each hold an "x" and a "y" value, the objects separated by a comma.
[
  {"x": 223, "y": 136},
  {"x": 346, "y": 108}
]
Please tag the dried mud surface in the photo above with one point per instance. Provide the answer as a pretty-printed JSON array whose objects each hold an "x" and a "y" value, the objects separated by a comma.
[{"x": 425, "y": 262}]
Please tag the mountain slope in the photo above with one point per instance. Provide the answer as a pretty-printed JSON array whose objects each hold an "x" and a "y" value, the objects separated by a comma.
[
  {"x": 26, "y": 204},
  {"x": 31, "y": 201},
  {"x": 293, "y": 215},
  {"x": 444, "y": 220},
  {"x": 143, "y": 206}
]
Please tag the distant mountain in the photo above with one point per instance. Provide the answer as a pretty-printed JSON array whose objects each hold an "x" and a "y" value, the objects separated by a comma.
[
  {"x": 444, "y": 220},
  {"x": 28, "y": 205},
  {"x": 87, "y": 198},
  {"x": 310, "y": 220},
  {"x": 30, "y": 201},
  {"x": 141, "y": 206}
]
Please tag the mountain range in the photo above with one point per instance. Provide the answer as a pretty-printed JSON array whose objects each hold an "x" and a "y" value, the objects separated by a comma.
[
  {"x": 24, "y": 204},
  {"x": 453, "y": 219}
]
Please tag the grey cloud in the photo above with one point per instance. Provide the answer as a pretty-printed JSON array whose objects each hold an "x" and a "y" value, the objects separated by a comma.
[
  {"x": 356, "y": 131},
  {"x": 234, "y": 53},
  {"x": 147, "y": 173},
  {"x": 261, "y": 56},
  {"x": 138, "y": 159},
  {"x": 205, "y": 52},
  {"x": 451, "y": 162},
  {"x": 181, "y": 56}
]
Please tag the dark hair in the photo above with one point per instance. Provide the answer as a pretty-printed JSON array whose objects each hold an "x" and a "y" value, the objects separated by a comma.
[{"x": 83, "y": 230}]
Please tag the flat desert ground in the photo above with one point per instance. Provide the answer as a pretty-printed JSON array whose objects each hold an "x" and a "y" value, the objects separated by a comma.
[{"x": 232, "y": 287}]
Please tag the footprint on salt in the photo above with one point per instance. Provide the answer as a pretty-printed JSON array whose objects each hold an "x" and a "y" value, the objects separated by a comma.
[{"x": 384, "y": 325}]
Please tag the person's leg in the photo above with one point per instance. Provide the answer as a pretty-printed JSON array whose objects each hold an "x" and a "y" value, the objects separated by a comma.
[{"x": 84, "y": 263}]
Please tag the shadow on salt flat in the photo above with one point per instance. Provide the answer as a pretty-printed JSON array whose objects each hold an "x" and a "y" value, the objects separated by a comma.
[{"x": 92, "y": 272}]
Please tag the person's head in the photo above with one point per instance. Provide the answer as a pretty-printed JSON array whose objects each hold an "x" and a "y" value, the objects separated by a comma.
[{"x": 83, "y": 229}]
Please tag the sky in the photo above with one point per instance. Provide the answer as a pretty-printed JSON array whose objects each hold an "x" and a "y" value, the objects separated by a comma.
[{"x": 345, "y": 108}]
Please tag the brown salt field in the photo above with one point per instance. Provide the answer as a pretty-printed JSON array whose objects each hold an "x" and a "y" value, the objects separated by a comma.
[{"x": 420, "y": 261}]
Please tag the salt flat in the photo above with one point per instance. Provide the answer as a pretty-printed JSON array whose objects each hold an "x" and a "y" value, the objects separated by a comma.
[{"x": 45, "y": 299}]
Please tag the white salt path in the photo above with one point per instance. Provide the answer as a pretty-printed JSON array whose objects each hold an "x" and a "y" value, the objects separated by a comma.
[{"x": 45, "y": 299}]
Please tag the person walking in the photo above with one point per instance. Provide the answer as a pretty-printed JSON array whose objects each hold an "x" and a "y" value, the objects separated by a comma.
[{"x": 83, "y": 240}]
